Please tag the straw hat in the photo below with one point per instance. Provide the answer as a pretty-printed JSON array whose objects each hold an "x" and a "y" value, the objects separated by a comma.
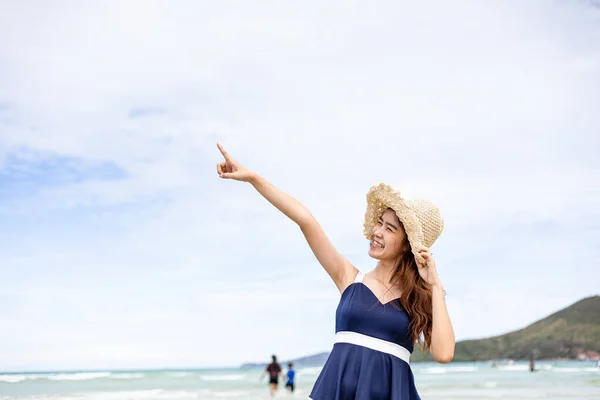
[{"x": 421, "y": 218}]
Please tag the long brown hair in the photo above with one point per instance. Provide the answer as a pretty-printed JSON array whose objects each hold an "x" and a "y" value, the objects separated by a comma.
[{"x": 415, "y": 298}]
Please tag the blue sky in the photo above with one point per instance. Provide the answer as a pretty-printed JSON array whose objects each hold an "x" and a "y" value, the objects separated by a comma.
[{"x": 120, "y": 247}]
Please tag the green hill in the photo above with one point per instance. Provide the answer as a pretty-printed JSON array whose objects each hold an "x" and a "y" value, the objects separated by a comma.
[{"x": 568, "y": 333}]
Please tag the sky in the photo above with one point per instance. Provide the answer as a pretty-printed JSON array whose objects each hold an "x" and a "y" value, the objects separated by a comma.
[{"x": 121, "y": 248}]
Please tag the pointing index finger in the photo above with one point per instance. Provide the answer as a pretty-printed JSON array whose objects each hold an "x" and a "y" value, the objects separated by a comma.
[{"x": 225, "y": 154}]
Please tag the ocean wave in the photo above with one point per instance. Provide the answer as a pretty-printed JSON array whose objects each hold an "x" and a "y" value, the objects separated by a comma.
[
  {"x": 131, "y": 395},
  {"x": 77, "y": 376},
  {"x": 152, "y": 394},
  {"x": 433, "y": 370},
  {"x": 223, "y": 377},
  {"x": 445, "y": 370},
  {"x": 117, "y": 395},
  {"x": 16, "y": 378},
  {"x": 159, "y": 394},
  {"x": 513, "y": 368},
  {"x": 126, "y": 376},
  {"x": 309, "y": 371},
  {"x": 574, "y": 369}
]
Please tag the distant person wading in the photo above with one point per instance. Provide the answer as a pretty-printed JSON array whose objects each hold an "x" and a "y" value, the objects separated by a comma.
[{"x": 273, "y": 370}]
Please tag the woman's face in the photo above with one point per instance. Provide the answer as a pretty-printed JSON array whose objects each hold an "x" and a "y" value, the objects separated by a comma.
[{"x": 388, "y": 237}]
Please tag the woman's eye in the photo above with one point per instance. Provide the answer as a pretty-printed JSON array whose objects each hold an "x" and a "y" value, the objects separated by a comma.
[{"x": 390, "y": 229}]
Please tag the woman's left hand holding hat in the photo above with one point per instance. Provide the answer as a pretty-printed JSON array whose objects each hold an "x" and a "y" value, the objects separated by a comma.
[{"x": 428, "y": 270}]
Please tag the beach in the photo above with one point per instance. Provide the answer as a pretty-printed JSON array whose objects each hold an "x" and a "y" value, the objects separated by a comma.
[{"x": 457, "y": 380}]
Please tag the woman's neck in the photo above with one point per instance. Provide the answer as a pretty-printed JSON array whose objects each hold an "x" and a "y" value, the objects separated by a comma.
[{"x": 384, "y": 270}]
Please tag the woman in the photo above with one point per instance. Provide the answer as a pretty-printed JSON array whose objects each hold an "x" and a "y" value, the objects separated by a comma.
[{"x": 382, "y": 313}]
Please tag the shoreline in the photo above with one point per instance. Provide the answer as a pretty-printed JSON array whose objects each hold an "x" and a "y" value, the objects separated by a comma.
[{"x": 261, "y": 365}]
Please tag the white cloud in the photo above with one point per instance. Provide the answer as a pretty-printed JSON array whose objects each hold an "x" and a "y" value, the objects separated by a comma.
[{"x": 486, "y": 108}]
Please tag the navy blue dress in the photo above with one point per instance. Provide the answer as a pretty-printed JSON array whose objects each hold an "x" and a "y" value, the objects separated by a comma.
[{"x": 369, "y": 360}]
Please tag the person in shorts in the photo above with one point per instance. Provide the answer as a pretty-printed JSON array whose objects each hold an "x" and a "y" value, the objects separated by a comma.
[
  {"x": 289, "y": 385},
  {"x": 273, "y": 370}
]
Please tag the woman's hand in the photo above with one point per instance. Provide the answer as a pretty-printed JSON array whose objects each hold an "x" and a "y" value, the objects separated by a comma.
[
  {"x": 231, "y": 169},
  {"x": 428, "y": 270}
]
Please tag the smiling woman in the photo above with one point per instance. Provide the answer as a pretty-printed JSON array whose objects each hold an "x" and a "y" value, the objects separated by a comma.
[{"x": 373, "y": 342}]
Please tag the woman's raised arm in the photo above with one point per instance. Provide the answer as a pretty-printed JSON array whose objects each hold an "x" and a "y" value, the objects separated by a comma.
[{"x": 339, "y": 269}]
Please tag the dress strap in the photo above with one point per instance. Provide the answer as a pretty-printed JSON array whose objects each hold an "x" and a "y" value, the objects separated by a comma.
[{"x": 359, "y": 277}]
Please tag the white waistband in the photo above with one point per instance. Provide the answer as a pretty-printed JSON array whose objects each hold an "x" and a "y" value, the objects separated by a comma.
[{"x": 373, "y": 343}]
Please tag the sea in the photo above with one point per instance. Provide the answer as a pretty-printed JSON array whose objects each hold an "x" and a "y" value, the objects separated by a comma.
[{"x": 554, "y": 380}]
